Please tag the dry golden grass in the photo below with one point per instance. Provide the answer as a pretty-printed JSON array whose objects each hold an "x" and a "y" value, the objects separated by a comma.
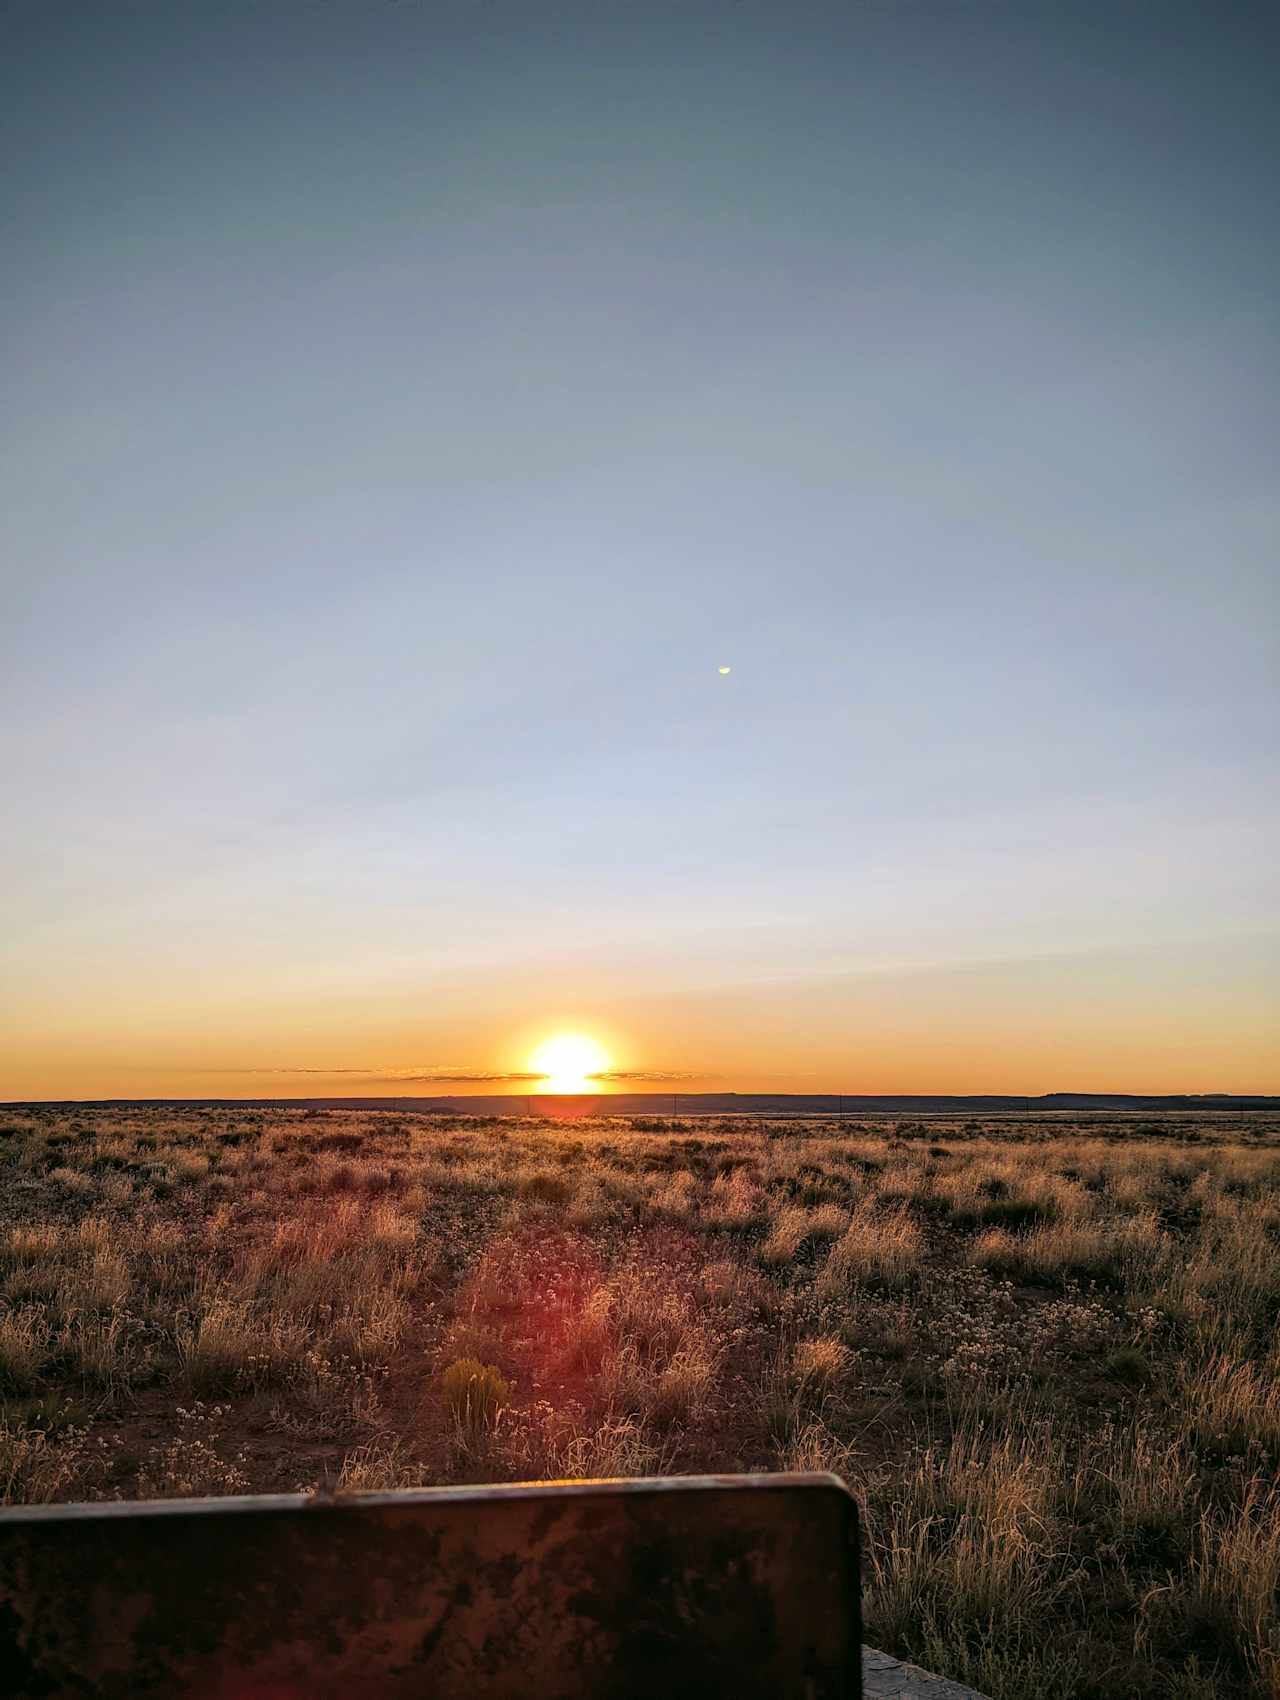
[
  {"x": 1044, "y": 1357},
  {"x": 881, "y": 1250},
  {"x": 1231, "y": 1407},
  {"x": 820, "y": 1365},
  {"x": 25, "y": 1337},
  {"x": 788, "y": 1231},
  {"x": 1236, "y": 1581},
  {"x": 378, "y": 1466},
  {"x": 735, "y": 1201}
]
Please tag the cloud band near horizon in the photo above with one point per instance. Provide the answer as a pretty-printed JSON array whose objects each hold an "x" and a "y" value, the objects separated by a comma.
[{"x": 460, "y": 1077}]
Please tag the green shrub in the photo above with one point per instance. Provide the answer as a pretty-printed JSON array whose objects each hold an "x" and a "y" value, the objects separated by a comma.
[
  {"x": 1016, "y": 1213},
  {"x": 474, "y": 1392},
  {"x": 1130, "y": 1365},
  {"x": 545, "y": 1188}
]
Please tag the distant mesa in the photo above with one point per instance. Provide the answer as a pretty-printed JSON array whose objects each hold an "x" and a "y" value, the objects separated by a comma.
[{"x": 744, "y": 1103}]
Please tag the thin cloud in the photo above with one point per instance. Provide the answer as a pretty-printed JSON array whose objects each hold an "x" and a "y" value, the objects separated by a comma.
[
  {"x": 450, "y": 1075},
  {"x": 650, "y": 1074},
  {"x": 410, "y": 1076}
]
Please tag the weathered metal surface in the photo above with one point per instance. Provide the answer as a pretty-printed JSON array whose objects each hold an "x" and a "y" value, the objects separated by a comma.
[{"x": 743, "y": 1586}]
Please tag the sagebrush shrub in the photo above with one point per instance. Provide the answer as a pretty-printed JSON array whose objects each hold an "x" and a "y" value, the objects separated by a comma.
[{"x": 474, "y": 1392}]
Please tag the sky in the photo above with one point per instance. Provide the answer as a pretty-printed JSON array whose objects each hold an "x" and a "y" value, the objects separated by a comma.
[{"x": 411, "y": 406}]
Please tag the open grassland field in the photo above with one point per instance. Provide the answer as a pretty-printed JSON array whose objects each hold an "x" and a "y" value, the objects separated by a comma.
[{"x": 1045, "y": 1358}]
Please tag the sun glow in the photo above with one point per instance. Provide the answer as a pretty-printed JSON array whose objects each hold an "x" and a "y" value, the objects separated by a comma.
[{"x": 569, "y": 1062}]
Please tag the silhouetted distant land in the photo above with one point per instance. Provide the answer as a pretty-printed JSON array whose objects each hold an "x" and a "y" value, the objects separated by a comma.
[{"x": 687, "y": 1104}]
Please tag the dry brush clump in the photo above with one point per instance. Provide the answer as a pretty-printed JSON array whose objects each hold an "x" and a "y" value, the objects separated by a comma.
[
  {"x": 646, "y": 1352},
  {"x": 881, "y": 1249},
  {"x": 380, "y": 1465},
  {"x": 1231, "y": 1408},
  {"x": 736, "y": 1202},
  {"x": 1105, "y": 1251}
]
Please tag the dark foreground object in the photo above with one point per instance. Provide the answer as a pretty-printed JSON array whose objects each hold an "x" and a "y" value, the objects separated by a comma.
[{"x": 725, "y": 1585}]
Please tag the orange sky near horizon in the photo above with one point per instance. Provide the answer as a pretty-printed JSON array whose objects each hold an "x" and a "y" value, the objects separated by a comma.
[{"x": 1094, "y": 1023}]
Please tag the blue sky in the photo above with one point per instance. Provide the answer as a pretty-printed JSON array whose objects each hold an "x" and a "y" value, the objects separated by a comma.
[{"x": 409, "y": 408}]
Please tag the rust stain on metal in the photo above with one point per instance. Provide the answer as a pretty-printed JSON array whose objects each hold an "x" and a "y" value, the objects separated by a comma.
[{"x": 736, "y": 1585}]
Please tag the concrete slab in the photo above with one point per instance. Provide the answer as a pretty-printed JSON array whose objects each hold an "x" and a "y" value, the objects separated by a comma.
[{"x": 887, "y": 1678}]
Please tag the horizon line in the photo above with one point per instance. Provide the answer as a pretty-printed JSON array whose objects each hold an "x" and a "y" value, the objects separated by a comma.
[{"x": 836, "y": 1098}]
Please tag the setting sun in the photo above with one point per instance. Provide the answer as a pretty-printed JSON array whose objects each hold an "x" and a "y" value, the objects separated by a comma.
[{"x": 569, "y": 1062}]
